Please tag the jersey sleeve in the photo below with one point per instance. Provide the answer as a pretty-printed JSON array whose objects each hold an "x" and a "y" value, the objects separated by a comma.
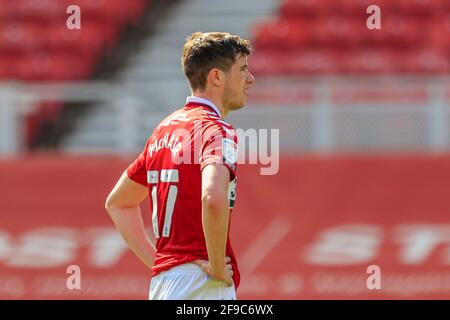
[
  {"x": 137, "y": 171},
  {"x": 220, "y": 146}
]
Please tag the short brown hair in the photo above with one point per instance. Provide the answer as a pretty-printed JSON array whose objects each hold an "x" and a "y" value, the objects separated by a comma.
[{"x": 205, "y": 51}]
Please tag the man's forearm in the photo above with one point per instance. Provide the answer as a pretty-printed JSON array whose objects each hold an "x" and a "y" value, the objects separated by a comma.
[
  {"x": 131, "y": 226},
  {"x": 215, "y": 227}
]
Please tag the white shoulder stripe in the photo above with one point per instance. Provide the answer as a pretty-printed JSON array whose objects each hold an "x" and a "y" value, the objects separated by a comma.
[
  {"x": 212, "y": 113},
  {"x": 223, "y": 122},
  {"x": 229, "y": 132}
]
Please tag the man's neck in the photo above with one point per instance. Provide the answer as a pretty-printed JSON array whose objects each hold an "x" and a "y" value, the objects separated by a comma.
[{"x": 217, "y": 102}]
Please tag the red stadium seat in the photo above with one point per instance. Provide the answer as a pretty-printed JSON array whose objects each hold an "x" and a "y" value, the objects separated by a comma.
[
  {"x": 56, "y": 9},
  {"x": 307, "y": 62},
  {"x": 427, "y": 61},
  {"x": 45, "y": 67},
  {"x": 21, "y": 36},
  {"x": 282, "y": 34},
  {"x": 268, "y": 63},
  {"x": 36, "y": 10},
  {"x": 359, "y": 7},
  {"x": 303, "y": 8},
  {"x": 373, "y": 62},
  {"x": 425, "y": 8},
  {"x": 337, "y": 31},
  {"x": 300, "y": 62},
  {"x": 113, "y": 10},
  {"x": 89, "y": 40},
  {"x": 135, "y": 8},
  {"x": 7, "y": 9},
  {"x": 99, "y": 8},
  {"x": 35, "y": 44},
  {"x": 396, "y": 32},
  {"x": 440, "y": 34},
  {"x": 8, "y": 66},
  {"x": 336, "y": 38}
]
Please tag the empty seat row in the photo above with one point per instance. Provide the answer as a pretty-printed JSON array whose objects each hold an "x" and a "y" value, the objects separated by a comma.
[
  {"x": 340, "y": 31},
  {"x": 313, "y": 8},
  {"x": 310, "y": 62}
]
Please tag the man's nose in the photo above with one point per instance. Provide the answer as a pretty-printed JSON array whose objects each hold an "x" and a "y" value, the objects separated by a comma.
[{"x": 250, "y": 78}]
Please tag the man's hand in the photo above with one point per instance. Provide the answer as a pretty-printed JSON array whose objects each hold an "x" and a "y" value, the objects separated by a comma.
[{"x": 224, "y": 276}]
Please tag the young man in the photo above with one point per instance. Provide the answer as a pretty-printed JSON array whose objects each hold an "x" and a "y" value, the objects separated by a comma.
[{"x": 188, "y": 170}]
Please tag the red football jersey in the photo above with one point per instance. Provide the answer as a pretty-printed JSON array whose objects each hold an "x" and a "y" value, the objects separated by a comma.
[{"x": 170, "y": 166}]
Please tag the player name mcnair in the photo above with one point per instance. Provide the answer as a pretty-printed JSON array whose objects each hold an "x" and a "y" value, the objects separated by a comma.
[{"x": 193, "y": 310}]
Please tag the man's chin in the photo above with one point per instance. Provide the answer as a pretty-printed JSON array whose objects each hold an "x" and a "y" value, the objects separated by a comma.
[{"x": 238, "y": 106}]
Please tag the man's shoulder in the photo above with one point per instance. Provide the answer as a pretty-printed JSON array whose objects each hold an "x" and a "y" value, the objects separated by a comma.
[
  {"x": 212, "y": 118},
  {"x": 174, "y": 118},
  {"x": 207, "y": 118}
]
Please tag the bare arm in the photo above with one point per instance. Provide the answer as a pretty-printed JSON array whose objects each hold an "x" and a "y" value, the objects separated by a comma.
[
  {"x": 215, "y": 216},
  {"x": 123, "y": 207}
]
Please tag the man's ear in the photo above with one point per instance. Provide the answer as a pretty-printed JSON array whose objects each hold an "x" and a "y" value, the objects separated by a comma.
[{"x": 216, "y": 77}]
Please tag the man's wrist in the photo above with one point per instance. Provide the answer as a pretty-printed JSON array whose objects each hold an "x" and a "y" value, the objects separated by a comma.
[{"x": 218, "y": 271}]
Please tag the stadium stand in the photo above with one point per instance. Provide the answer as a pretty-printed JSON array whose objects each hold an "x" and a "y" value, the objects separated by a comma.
[
  {"x": 291, "y": 38},
  {"x": 153, "y": 73},
  {"x": 36, "y": 46},
  {"x": 357, "y": 124},
  {"x": 322, "y": 37}
]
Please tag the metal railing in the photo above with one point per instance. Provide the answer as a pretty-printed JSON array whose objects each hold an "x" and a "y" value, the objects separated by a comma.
[{"x": 313, "y": 114}]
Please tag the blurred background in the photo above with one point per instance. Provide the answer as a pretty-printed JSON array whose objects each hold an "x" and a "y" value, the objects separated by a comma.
[{"x": 363, "y": 116}]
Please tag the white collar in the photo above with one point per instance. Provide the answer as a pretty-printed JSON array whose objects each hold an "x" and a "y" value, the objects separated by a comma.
[{"x": 194, "y": 99}]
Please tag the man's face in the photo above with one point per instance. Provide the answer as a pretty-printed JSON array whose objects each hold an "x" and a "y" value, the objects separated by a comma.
[{"x": 237, "y": 82}]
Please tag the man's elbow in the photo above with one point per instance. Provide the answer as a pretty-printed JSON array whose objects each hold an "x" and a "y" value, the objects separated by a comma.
[
  {"x": 109, "y": 204},
  {"x": 214, "y": 203}
]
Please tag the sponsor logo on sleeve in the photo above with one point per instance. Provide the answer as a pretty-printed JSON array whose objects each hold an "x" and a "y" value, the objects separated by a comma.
[{"x": 230, "y": 152}]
